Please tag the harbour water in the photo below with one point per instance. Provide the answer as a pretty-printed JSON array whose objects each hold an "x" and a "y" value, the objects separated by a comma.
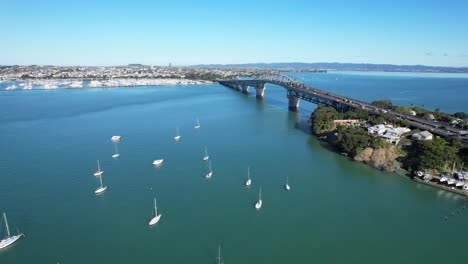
[{"x": 338, "y": 211}]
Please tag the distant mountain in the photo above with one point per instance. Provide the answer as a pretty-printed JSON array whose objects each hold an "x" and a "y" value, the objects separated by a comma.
[{"x": 341, "y": 67}]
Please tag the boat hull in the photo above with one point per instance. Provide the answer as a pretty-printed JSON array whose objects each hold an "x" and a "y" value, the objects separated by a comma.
[
  {"x": 98, "y": 173},
  {"x": 206, "y": 158},
  {"x": 258, "y": 205},
  {"x": 287, "y": 187},
  {"x": 177, "y": 138},
  {"x": 155, "y": 220},
  {"x": 115, "y": 138},
  {"x": 100, "y": 190},
  {"x": 115, "y": 155},
  {"x": 158, "y": 162},
  {"x": 9, "y": 241},
  {"x": 248, "y": 182},
  {"x": 208, "y": 175}
]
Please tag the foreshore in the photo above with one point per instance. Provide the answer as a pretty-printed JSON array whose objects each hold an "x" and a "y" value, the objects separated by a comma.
[{"x": 442, "y": 187}]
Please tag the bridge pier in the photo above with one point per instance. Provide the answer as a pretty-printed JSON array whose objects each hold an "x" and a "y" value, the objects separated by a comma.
[
  {"x": 260, "y": 91},
  {"x": 293, "y": 103},
  {"x": 245, "y": 89}
]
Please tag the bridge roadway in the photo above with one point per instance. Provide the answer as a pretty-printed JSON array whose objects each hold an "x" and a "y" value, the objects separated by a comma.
[{"x": 297, "y": 90}]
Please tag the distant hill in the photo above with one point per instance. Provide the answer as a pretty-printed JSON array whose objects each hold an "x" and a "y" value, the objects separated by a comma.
[{"x": 341, "y": 67}]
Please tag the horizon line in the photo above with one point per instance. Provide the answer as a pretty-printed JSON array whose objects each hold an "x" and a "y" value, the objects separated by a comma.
[{"x": 233, "y": 64}]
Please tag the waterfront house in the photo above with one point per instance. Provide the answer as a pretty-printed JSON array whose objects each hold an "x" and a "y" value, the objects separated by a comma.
[
  {"x": 376, "y": 130},
  {"x": 412, "y": 112},
  {"x": 393, "y": 135}
]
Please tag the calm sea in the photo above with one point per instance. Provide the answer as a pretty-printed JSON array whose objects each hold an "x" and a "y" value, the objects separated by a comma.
[{"x": 337, "y": 211}]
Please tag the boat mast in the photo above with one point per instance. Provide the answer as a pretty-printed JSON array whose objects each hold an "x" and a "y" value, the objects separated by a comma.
[
  {"x": 260, "y": 194},
  {"x": 453, "y": 169},
  {"x": 6, "y": 223},
  {"x": 209, "y": 170},
  {"x": 177, "y": 131},
  {"x": 248, "y": 172},
  {"x": 116, "y": 152},
  {"x": 98, "y": 167},
  {"x": 155, "y": 207},
  {"x": 287, "y": 180},
  {"x": 219, "y": 254},
  {"x": 100, "y": 179},
  {"x": 206, "y": 151}
]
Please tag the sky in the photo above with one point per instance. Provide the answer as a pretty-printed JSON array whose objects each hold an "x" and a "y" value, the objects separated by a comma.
[{"x": 183, "y": 32}]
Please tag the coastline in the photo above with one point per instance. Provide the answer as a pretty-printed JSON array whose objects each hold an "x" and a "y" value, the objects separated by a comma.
[{"x": 48, "y": 84}]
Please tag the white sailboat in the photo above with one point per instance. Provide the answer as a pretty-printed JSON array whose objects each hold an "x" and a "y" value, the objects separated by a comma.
[
  {"x": 99, "y": 172},
  {"x": 100, "y": 189},
  {"x": 249, "y": 181},
  {"x": 287, "y": 184},
  {"x": 177, "y": 137},
  {"x": 258, "y": 205},
  {"x": 158, "y": 162},
  {"x": 9, "y": 240},
  {"x": 206, "y": 157},
  {"x": 115, "y": 138},
  {"x": 197, "y": 125},
  {"x": 219, "y": 260},
  {"x": 156, "y": 217},
  {"x": 116, "y": 155},
  {"x": 210, "y": 171}
]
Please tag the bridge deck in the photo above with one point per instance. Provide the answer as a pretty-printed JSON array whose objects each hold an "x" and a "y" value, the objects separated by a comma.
[{"x": 320, "y": 97}]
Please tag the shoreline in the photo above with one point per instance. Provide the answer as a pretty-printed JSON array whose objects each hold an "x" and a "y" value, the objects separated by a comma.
[{"x": 61, "y": 84}]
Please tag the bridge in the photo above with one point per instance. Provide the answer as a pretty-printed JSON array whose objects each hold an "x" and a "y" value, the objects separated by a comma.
[{"x": 297, "y": 90}]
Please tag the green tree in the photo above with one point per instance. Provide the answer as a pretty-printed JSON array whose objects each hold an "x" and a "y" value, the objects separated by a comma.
[
  {"x": 385, "y": 103},
  {"x": 322, "y": 119},
  {"x": 351, "y": 139},
  {"x": 432, "y": 154}
]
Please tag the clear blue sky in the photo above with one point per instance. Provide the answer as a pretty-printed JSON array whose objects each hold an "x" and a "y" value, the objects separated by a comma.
[{"x": 84, "y": 32}]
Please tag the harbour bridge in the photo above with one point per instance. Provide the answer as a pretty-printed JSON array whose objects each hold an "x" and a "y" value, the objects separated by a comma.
[{"x": 296, "y": 90}]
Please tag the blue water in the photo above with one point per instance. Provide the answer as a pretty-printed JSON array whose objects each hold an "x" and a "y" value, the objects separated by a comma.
[
  {"x": 449, "y": 92},
  {"x": 338, "y": 211}
]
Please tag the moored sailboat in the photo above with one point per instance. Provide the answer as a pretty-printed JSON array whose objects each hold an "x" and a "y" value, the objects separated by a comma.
[
  {"x": 9, "y": 240},
  {"x": 206, "y": 157},
  {"x": 210, "y": 171},
  {"x": 116, "y": 154},
  {"x": 249, "y": 181},
  {"x": 177, "y": 137},
  {"x": 287, "y": 184},
  {"x": 99, "y": 172},
  {"x": 259, "y": 203},
  {"x": 101, "y": 189},
  {"x": 156, "y": 217}
]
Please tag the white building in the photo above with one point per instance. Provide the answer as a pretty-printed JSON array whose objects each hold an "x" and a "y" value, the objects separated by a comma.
[
  {"x": 423, "y": 135},
  {"x": 376, "y": 130}
]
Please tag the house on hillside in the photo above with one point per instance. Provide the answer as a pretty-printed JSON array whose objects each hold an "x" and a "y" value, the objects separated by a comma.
[
  {"x": 423, "y": 135},
  {"x": 376, "y": 130}
]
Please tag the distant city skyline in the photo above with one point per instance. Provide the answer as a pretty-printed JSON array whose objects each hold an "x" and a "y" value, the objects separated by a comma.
[{"x": 180, "y": 32}]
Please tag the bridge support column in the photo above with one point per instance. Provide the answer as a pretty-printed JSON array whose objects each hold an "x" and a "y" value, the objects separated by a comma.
[
  {"x": 245, "y": 89},
  {"x": 293, "y": 103},
  {"x": 260, "y": 91}
]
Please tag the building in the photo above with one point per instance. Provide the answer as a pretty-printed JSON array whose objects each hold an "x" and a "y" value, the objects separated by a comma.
[
  {"x": 412, "y": 112},
  {"x": 393, "y": 135},
  {"x": 423, "y": 135},
  {"x": 376, "y": 130}
]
